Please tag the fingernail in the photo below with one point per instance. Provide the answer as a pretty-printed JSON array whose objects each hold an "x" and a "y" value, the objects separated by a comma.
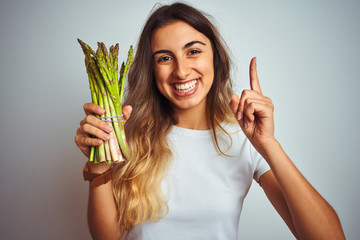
[
  {"x": 101, "y": 110},
  {"x": 238, "y": 115},
  {"x": 246, "y": 124},
  {"x": 108, "y": 128},
  {"x": 106, "y": 136}
]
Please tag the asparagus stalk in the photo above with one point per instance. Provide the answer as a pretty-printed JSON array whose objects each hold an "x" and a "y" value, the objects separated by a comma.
[
  {"x": 105, "y": 154},
  {"x": 107, "y": 91},
  {"x": 94, "y": 98},
  {"x": 124, "y": 72},
  {"x": 112, "y": 88}
]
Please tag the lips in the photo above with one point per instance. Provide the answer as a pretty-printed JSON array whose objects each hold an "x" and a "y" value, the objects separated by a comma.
[{"x": 185, "y": 88}]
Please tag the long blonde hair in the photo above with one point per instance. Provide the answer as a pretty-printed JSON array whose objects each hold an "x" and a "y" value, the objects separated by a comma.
[{"x": 137, "y": 182}]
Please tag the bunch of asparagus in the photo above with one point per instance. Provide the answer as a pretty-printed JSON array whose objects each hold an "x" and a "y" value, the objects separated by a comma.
[{"x": 107, "y": 90}]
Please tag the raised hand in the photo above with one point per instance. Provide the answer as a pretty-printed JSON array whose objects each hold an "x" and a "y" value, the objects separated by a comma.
[
  {"x": 254, "y": 112},
  {"x": 92, "y": 126}
]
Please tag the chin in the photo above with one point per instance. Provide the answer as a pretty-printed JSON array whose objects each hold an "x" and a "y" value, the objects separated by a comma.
[{"x": 192, "y": 104}]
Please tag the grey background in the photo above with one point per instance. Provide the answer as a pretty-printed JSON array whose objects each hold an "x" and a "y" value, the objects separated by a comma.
[{"x": 308, "y": 61}]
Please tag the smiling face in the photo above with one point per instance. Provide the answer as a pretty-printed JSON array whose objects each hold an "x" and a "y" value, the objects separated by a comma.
[{"x": 183, "y": 65}]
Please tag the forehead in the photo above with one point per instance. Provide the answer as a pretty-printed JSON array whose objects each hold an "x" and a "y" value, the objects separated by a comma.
[{"x": 175, "y": 35}]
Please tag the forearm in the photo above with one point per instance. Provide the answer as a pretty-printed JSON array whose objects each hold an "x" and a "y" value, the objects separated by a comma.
[
  {"x": 102, "y": 213},
  {"x": 312, "y": 216}
]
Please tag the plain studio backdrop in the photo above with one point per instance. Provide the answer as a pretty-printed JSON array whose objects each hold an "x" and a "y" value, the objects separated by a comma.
[{"x": 308, "y": 62}]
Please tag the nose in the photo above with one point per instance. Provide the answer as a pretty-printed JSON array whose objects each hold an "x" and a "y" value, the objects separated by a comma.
[{"x": 182, "y": 69}]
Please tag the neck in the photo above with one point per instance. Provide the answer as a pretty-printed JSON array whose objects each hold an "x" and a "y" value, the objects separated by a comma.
[{"x": 197, "y": 119}]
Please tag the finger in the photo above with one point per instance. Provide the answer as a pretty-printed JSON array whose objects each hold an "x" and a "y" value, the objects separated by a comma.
[
  {"x": 259, "y": 109},
  {"x": 91, "y": 108},
  {"x": 84, "y": 149},
  {"x": 93, "y": 131},
  {"x": 84, "y": 143},
  {"x": 244, "y": 123},
  {"x": 249, "y": 108},
  {"x": 254, "y": 79},
  {"x": 94, "y": 121},
  {"x": 234, "y": 106},
  {"x": 88, "y": 141},
  {"x": 248, "y": 94},
  {"x": 127, "y": 112}
]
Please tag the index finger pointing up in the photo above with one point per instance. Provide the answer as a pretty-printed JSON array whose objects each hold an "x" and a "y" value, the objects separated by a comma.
[{"x": 254, "y": 80}]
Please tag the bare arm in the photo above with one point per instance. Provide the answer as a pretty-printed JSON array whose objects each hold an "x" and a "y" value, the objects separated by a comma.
[
  {"x": 102, "y": 211},
  {"x": 303, "y": 209},
  {"x": 274, "y": 194}
]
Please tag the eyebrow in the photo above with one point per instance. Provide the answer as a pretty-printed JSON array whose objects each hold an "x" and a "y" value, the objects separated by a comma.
[{"x": 189, "y": 44}]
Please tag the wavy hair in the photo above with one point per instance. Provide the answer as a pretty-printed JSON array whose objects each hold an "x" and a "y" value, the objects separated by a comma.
[{"x": 137, "y": 182}]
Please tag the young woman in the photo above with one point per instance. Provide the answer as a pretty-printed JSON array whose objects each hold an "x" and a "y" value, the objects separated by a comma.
[{"x": 194, "y": 146}]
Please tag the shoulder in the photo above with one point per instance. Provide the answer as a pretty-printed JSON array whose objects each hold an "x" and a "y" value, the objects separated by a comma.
[{"x": 233, "y": 131}]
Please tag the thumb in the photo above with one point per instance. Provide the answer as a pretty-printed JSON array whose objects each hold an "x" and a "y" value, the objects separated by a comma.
[
  {"x": 234, "y": 103},
  {"x": 127, "y": 112}
]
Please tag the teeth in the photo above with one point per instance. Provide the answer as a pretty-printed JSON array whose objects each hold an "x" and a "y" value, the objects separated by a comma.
[{"x": 186, "y": 87}]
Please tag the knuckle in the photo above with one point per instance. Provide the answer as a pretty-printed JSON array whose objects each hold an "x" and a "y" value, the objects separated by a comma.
[
  {"x": 88, "y": 118},
  {"x": 86, "y": 108},
  {"x": 247, "y": 111},
  {"x": 251, "y": 104},
  {"x": 93, "y": 141},
  {"x": 79, "y": 141},
  {"x": 272, "y": 107},
  {"x": 76, "y": 139},
  {"x": 85, "y": 141},
  {"x": 87, "y": 105},
  {"x": 86, "y": 128},
  {"x": 245, "y": 92},
  {"x": 103, "y": 124}
]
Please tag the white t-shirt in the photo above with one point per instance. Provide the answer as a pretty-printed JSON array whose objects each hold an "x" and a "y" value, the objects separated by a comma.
[{"x": 205, "y": 190}]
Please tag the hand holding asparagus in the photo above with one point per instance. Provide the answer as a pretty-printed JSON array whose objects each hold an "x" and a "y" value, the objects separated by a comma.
[{"x": 107, "y": 89}]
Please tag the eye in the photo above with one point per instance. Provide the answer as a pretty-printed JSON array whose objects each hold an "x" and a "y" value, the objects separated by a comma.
[
  {"x": 164, "y": 59},
  {"x": 194, "y": 51}
]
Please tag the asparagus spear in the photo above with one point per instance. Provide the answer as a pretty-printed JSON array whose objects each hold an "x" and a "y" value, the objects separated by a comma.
[
  {"x": 124, "y": 71},
  {"x": 107, "y": 91}
]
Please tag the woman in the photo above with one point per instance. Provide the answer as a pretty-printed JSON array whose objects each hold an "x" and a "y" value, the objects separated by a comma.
[{"x": 194, "y": 146}]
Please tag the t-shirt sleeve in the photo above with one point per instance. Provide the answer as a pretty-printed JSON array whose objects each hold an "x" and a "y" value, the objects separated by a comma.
[{"x": 260, "y": 166}]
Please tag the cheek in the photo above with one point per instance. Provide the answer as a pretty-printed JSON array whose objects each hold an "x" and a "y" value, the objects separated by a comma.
[
  {"x": 207, "y": 65},
  {"x": 160, "y": 74},
  {"x": 161, "y": 83},
  {"x": 208, "y": 69}
]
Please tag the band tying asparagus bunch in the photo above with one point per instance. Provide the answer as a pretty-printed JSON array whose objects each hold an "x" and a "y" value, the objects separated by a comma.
[{"x": 107, "y": 90}]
